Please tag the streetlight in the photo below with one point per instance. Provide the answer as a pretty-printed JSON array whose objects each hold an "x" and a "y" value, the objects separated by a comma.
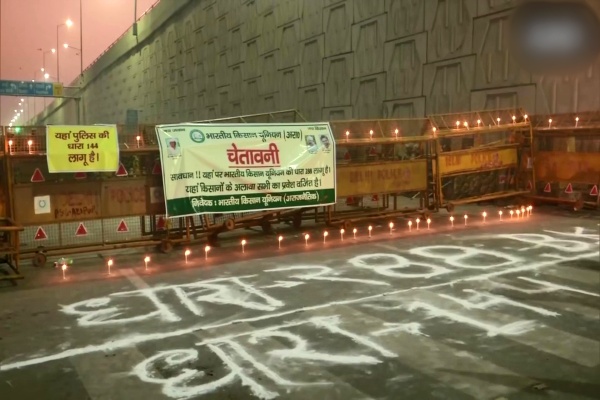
[
  {"x": 68, "y": 23},
  {"x": 44, "y": 52},
  {"x": 66, "y": 46}
]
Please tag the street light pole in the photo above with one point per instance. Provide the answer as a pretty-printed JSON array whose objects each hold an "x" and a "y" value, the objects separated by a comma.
[
  {"x": 57, "y": 54},
  {"x": 68, "y": 23},
  {"x": 66, "y": 46},
  {"x": 81, "y": 38}
]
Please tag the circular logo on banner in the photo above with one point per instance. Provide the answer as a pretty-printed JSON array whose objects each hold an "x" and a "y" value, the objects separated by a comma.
[{"x": 197, "y": 136}]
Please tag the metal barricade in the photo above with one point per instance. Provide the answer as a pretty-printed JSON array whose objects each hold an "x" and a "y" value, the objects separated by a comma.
[
  {"x": 66, "y": 213},
  {"x": 567, "y": 159},
  {"x": 382, "y": 170},
  {"x": 216, "y": 224},
  {"x": 479, "y": 156}
]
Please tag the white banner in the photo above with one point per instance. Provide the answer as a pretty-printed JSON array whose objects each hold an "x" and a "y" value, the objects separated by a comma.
[{"x": 218, "y": 168}]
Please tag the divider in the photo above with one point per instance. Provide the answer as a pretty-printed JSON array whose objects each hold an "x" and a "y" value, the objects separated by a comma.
[
  {"x": 383, "y": 168},
  {"x": 567, "y": 159},
  {"x": 479, "y": 156}
]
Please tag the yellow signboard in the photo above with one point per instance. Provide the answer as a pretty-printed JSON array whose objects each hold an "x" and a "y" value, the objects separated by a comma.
[
  {"x": 558, "y": 166},
  {"x": 77, "y": 148},
  {"x": 393, "y": 177},
  {"x": 477, "y": 160},
  {"x": 57, "y": 89}
]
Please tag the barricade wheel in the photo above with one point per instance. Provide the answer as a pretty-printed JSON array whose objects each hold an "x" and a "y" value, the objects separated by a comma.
[
  {"x": 213, "y": 239},
  {"x": 39, "y": 260},
  {"x": 266, "y": 226},
  {"x": 166, "y": 246},
  {"x": 229, "y": 224},
  {"x": 346, "y": 225},
  {"x": 297, "y": 221},
  {"x": 450, "y": 207},
  {"x": 578, "y": 205}
]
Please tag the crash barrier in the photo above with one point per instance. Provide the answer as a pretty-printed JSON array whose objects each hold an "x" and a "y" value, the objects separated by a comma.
[
  {"x": 9, "y": 230},
  {"x": 479, "y": 156},
  {"x": 382, "y": 170},
  {"x": 9, "y": 249},
  {"x": 74, "y": 212},
  {"x": 566, "y": 159}
]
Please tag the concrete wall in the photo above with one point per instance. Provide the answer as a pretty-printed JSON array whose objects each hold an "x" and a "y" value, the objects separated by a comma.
[{"x": 331, "y": 59}]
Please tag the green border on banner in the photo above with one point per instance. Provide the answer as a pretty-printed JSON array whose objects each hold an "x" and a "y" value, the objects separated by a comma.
[{"x": 183, "y": 206}]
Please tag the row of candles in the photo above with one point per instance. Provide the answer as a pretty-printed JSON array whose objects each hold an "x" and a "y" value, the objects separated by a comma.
[
  {"x": 465, "y": 124},
  {"x": 518, "y": 214},
  {"x": 138, "y": 138}
]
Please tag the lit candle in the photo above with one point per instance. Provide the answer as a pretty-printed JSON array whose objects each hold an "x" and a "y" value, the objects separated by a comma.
[
  {"x": 478, "y": 122},
  {"x": 206, "y": 250},
  {"x": 514, "y": 119},
  {"x": 342, "y": 233},
  {"x": 498, "y": 121},
  {"x": 418, "y": 221},
  {"x": 138, "y": 140},
  {"x": 396, "y": 132},
  {"x": 525, "y": 117},
  {"x": 109, "y": 263},
  {"x": 306, "y": 237},
  {"x": 29, "y": 143},
  {"x": 530, "y": 210},
  {"x": 371, "y": 134},
  {"x": 452, "y": 221},
  {"x": 511, "y": 214},
  {"x": 466, "y": 124},
  {"x": 457, "y": 124},
  {"x": 409, "y": 226},
  {"x": 354, "y": 232},
  {"x": 347, "y": 135},
  {"x": 484, "y": 215},
  {"x": 370, "y": 229},
  {"x": 428, "y": 223},
  {"x": 186, "y": 254},
  {"x": 280, "y": 239},
  {"x": 466, "y": 218},
  {"x": 576, "y": 121},
  {"x": 64, "y": 268},
  {"x": 518, "y": 213},
  {"x": 146, "y": 261},
  {"x": 10, "y": 144},
  {"x": 523, "y": 211},
  {"x": 434, "y": 130},
  {"x": 391, "y": 227},
  {"x": 500, "y": 214},
  {"x": 244, "y": 245},
  {"x": 550, "y": 123},
  {"x": 325, "y": 234}
]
